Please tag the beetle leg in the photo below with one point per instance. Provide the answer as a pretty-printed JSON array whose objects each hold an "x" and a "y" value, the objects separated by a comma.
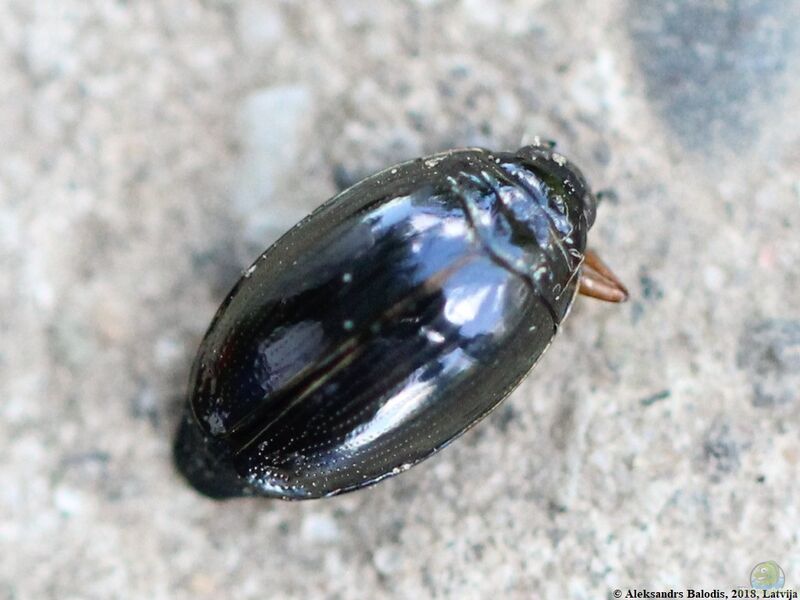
[{"x": 598, "y": 281}]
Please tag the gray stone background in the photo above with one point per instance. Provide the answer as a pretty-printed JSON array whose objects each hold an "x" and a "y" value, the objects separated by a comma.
[{"x": 152, "y": 148}]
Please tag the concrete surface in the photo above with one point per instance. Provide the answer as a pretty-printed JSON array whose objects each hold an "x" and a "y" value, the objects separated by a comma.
[{"x": 151, "y": 149}]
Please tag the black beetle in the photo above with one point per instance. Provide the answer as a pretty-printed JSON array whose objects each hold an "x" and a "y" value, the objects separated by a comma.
[{"x": 388, "y": 322}]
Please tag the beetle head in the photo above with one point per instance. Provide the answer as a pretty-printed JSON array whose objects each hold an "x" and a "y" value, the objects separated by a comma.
[{"x": 562, "y": 177}]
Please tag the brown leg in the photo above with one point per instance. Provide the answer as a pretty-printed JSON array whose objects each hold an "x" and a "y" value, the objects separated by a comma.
[{"x": 599, "y": 282}]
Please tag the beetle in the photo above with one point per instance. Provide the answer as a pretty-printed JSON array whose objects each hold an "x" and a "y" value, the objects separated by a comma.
[{"x": 388, "y": 322}]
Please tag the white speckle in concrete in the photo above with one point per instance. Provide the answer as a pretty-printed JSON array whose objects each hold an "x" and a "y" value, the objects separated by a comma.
[
  {"x": 387, "y": 560},
  {"x": 68, "y": 501},
  {"x": 259, "y": 24},
  {"x": 271, "y": 121},
  {"x": 320, "y": 527},
  {"x": 714, "y": 277}
]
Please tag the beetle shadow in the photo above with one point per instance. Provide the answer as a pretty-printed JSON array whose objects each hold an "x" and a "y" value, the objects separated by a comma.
[{"x": 213, "y": 267}]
